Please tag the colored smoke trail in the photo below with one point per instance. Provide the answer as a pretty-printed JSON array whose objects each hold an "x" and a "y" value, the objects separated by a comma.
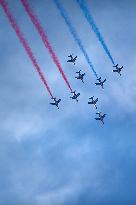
[
  {"x": 83, "y": 5},
  {"x": 74, "y": 34},
  {"x": 45, "y": 40},
  {"x": 24, "y": 42}
]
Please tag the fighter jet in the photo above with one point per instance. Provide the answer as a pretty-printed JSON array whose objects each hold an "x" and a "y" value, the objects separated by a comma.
[
  {"x": 80, "y": 76},
  {"x": 100, "y": 82},
  {"x": 101, "y": 117},
  {"x": 118, "y": 70},
  {"x": 75, "y": 96},
  {"x": 56, "y": 102},
  {"x": 93, "y": 102},
  {"x": 72, "y": 60}
]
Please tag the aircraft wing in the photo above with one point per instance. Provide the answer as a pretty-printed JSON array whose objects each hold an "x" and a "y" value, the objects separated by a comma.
[
  {"x": 97, "y": 118},
  {"x": 104, "y": 115},
  {"x": 90, "y": 102},
  {"x": 96, "y": 100},
  {"x": 115, "y": 66},
  {"x": 59, "y": 100},
  {"x": 52, "y": 103},
  {"x": 104, "y": 81},
  {"x": 97, "y": 83},
  {"x": 69, "y": 61},
  {"x": 78, "y": 94}
]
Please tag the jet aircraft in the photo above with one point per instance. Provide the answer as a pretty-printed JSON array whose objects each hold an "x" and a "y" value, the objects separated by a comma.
[
  {"x": 101, "y": 117},
  {"x": 117, "y": 69},
  {"x": 100, "y": 82},
  {"x": 75, "y": 96},
  {"x": 72, "y": 59},
  {"x": 56, "y": 102},
  {"x": 80, "y": 76},
  {"x": 93, "y": 102}
]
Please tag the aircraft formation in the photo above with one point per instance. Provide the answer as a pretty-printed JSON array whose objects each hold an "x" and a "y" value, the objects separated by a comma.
[
  {"x": 99, "y": 115},
  {"x": 71, "y": 59}
]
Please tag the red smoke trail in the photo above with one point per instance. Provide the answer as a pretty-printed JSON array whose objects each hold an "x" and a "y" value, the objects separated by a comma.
[
  {"x": 44, "y": 38},
  {"x": 24, "y": 43}
]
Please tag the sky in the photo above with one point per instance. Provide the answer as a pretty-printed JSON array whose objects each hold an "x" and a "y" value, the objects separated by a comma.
[{"x": 65, "y": 157}]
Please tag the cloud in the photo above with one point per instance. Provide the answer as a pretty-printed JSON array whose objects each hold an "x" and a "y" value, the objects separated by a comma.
[{"x": 50, "y": 156}]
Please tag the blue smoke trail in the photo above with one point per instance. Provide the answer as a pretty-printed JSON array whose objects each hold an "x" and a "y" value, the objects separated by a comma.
[
  {"x": 74, "y": 34},
  {"x": 83, "y": 5}
]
